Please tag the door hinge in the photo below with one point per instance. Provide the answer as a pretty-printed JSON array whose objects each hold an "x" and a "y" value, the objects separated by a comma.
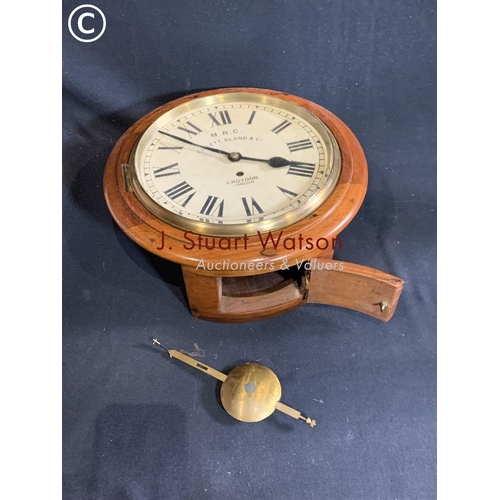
[{"x": 304, "y": 284}]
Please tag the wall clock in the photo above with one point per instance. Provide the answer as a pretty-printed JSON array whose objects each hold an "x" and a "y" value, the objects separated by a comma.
[{"x": 247, "y": 189}]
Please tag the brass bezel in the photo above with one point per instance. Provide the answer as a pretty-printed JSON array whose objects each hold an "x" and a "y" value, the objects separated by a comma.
[{"x": 241, "y": 229}]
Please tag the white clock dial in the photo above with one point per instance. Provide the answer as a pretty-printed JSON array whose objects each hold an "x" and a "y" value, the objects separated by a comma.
[{"x": 243, "y": 160}]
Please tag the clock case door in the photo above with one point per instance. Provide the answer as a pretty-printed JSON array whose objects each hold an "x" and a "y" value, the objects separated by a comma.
[
  {"x": 352, "y": 286},
  {"x": 320, "y": 281}
]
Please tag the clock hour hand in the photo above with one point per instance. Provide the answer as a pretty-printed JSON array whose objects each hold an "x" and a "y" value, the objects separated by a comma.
[
  {"x": 277, "y": 161},
  {"x": 214, "y": 150}
]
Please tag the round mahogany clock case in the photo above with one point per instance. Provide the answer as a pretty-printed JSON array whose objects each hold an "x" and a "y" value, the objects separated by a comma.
[{"x": 247, "y": 189}]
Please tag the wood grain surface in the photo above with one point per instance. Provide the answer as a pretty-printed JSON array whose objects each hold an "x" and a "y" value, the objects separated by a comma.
[
  {"x": 327, "y": 222},
  {"x": 361, "y": 288}
]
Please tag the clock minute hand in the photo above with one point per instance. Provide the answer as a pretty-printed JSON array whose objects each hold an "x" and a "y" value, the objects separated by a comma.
[{"x": 214, "y": 150}]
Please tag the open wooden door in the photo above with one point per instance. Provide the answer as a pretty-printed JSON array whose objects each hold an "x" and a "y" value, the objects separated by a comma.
[{"x": 361, "y": 288}]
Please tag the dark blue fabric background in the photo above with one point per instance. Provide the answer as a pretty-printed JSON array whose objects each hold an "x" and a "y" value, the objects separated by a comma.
[{"x": 137, "y": 425}]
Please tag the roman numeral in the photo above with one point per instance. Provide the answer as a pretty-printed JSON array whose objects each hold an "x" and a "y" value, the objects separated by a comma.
[
  {"x": 250, "y": 209},
  {"x": 223, "y": 116},
  {"x": 251, "y": 118},
  {"x": 210, "y": 207},
  {"x": 303, "y": 170},
  {"x": 289, "y": 194},
  {"x": 282, "y": 126},
  {"x": 298, "y": 145},
  {"x": 168, "y": 170},
  {"x": 191, "y": 129},
  {"x": 179, "y": 191},
  {"x": 177, "y": 149}
]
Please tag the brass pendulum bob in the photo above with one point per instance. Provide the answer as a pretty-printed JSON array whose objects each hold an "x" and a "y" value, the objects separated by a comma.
[{"x": 249, "y": 393}]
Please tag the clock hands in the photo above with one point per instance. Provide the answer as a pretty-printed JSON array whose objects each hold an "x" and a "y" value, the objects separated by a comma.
[{"x": 274, "y": 162}]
